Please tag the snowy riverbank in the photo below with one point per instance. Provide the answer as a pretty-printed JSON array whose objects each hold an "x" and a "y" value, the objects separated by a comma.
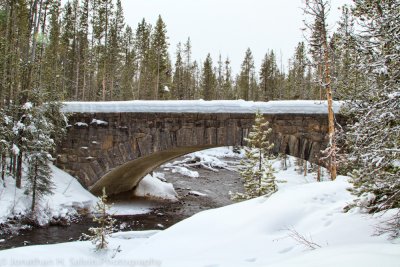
[
  {"x": 303, "y": 224},
  {"x": 70, "y": 199}
]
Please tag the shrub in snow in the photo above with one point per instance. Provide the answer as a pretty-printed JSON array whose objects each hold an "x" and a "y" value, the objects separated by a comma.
[
  {"x": 106, "y": 223},
  {"x": 258, "y": 175}
]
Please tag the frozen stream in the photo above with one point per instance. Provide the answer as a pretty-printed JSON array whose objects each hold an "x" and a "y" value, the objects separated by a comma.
[{"x": 209, "y": 190}]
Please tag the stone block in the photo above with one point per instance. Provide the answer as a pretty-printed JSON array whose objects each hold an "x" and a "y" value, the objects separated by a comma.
[
  {"x": 107, "y": 142},
  {"x": 62, "y": 158},
  {"x": 72, "y": 158}
]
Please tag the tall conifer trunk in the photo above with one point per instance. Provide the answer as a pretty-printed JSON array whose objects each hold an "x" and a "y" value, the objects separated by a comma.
[{"x": 34, "y": 186}]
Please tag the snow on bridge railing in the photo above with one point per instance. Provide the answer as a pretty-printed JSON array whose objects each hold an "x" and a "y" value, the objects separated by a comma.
[{"x": 201, "y": 106}]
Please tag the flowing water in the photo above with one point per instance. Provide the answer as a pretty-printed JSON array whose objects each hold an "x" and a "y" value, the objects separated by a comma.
[{"x": 213, "y": 187}]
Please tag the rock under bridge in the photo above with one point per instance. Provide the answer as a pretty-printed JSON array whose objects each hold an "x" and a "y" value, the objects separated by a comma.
[{"x": 115, "y": 144}]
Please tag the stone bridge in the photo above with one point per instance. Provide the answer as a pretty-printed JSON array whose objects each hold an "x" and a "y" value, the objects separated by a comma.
[{"x": 115, "y": 144}]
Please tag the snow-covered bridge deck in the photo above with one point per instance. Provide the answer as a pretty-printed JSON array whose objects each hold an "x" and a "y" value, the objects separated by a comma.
[{"x": 201, "y": 106}]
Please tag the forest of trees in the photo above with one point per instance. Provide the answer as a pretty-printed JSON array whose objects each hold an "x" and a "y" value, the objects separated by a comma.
[{"x": 84, "y": 51}]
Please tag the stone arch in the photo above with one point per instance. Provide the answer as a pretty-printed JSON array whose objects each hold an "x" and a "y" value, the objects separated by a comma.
[{"x": 126, "y": 176}]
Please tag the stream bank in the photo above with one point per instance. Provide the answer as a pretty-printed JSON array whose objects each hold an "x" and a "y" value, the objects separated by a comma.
[{"x": 209, "y": 190}]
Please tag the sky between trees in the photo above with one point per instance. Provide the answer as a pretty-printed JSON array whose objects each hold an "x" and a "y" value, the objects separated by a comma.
[{"x": 229, "y": 27}]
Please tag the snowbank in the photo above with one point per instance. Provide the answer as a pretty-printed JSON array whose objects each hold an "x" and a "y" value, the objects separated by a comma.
[
  {"x": 152, "y": 187},
  {"x": 69, "y": 196},
  {"x": 201, "y": 106},
  {"x": 222, "y": 152},
  {"x": 259, "y": 232}
]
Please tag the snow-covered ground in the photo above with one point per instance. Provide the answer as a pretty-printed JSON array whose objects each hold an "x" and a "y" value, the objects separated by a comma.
[
  {"x": 201, "y": 106},
  {"x": 69, "y": 196},
  {"x": 211, "y": 159},
  {"x": 302, "y": 224}
]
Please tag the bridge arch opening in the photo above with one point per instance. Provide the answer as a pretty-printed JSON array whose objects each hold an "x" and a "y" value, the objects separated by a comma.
[{"x": 128, "y": 175}]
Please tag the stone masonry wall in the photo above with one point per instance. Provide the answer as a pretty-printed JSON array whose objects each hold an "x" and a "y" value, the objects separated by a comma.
[{"x": 90, "y": 150}]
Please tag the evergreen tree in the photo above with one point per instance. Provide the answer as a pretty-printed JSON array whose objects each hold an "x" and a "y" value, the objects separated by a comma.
[
  {"x": 227, "y": 86},
  {"x": 269, "y": 77},
  {"x": 160, "y": 64},
  {"x": 349, "y": 81},
  {"x": 142, "y": 48},
  {"x": 297, "y": 74},
  {"x": 178, "y": 78},
  {"x": 129, "y": 66},
  {"x": 82, "y": 71},
  {"x": 52, "y": 73},
  {"x": 374, "y": 132},
  {"x": 188, "y": 79},
  {"x": 317, "y": 54},
  {"x": 115, "y": 51},
  {"x": 219, "y": 93},
  {"x": 247, "y": 79},
  {"x": 196, "y": 81},
  {"x": 67, "y": 51},
  {"x": 105, "y": 222},
  {"x": 208, "y": 79},
  {"x": 259, "y": 178},
  {"x": 39, "y": 146},
  {"x": 6, "y": 135}
]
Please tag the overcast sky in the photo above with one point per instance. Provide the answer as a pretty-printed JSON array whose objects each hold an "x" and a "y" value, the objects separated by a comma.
[{"x": 228, "y": 27}]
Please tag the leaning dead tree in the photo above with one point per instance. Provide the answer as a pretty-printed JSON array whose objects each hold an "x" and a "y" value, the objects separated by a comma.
[{"x": 318, "y": 10}]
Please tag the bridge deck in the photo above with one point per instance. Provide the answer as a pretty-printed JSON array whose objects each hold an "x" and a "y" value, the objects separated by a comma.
[{"x": 201, "y": 106}]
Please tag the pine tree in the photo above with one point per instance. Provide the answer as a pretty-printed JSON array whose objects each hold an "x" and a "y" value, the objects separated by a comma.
[
  {"x": 39, "y": 145},
  {"x": 258, "y": 175},
  {"x": 188, "y": 72},
  {"x": 269, "y": 76},
  {"x": 105, "y": 222},
  {"x": 374, "y": 132},
  {"x": 52, "y": 73},
  {"x": 227, "y": 86},
  {"x": 208, "y": 79},
  {"x": 67, "y": 44},
  {"x": 160, "y": 64},
  {"x": 297, "y": 74},
  {"x": 115, "y": 43},
  {"x": 82, "y": 70},
  {"x": 178, "y": 78},
  {"x": 6, "y": 137},
  {"x": 142, "y": 48},
  {"x": 247, "y": 79},
  {"x": 219, "y": 92},
  {"x": 196, "y": 81},
  {"x": 349, "y": 80},
  {"x": 129, "y": 66}
]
